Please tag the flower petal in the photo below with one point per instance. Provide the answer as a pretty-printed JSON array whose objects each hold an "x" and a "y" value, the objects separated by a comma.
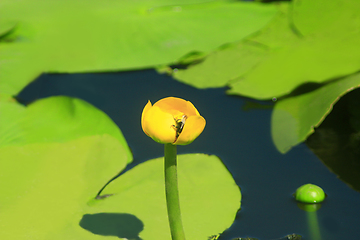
[
  {"x": 193, "y": 127},
  {"x": 146, "y": 109},
  {"x": 177, "y": 106},
  {"x": 159, "y": 125}
]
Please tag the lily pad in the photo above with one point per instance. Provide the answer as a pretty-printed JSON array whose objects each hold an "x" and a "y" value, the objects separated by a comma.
[
  {"x": 228, "y": 63},
  {"x": 329, "y": 52},
  {"x": 222, "y": 66},
  {"x": 46, "y": 190},
  {"x": 51, "y": 161},
  {"x": 6, "y": 28},
  {"x": 314, "y": 17},
  {"x": 45, "y": 185},
  {"x": 290, "y": 51},
  {"x": 77, "y": 36},
  {"x": 294, "y": 118},
  {"x": 309, "y": 61},
  {"x": 209, "y": 197},
  {"x": 54, "y": 119}
]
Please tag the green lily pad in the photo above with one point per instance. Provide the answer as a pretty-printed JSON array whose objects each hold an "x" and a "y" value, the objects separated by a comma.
[
  {"x": 209, "y": 197},
  {"x": 312, "y": 17},
  {"x": 329, "y": 52},
  {"x": 44, "y": 193},
  {"x": 45, "y": 185},
  {"x": 310, "y": 61},
  {"x": 294, "y": 118},
  {"x": 77, "y": 36},
  {"x": 222, "y": 66},
  {"x": 54, "y": 119},
  {"x": 290, "y": 51},
  {"x": 6, "y": 28},
  {"x": 228, "y": 63},
  {"x": 55, "y": 154}
]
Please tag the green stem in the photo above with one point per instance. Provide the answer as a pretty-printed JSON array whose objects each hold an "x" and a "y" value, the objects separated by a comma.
[{"x": 172, "y": 193}]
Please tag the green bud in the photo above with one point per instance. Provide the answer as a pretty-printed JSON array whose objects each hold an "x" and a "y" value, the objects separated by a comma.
[{"x": 310, "y": 193}]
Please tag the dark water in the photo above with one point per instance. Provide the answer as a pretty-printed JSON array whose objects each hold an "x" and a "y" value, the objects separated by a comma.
[{"x": 241, "y": 138}]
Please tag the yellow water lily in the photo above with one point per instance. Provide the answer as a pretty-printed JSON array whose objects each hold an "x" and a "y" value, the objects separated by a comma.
[{"x": 172, "y": 120}]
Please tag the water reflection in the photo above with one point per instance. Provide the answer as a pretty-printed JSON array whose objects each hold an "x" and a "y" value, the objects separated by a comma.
[{"x": 337, "y": 140}]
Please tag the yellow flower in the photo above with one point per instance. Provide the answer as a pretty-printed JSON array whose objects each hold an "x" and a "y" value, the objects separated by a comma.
[{"x": 172, "y": 120}]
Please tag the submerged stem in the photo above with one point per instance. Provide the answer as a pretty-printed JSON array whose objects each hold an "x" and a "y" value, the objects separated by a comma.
[
  {"x": 314, "y": 225},
  {"x": 172, "y": 193}
]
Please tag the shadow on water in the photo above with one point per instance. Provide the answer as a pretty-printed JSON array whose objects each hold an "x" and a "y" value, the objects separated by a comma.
[
  {"x": 337, "y": 140},
  {"x": 121, "y": 225}
]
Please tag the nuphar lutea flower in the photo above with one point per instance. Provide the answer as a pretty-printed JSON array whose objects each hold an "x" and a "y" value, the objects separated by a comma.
[{"x": 172, "y": 120}]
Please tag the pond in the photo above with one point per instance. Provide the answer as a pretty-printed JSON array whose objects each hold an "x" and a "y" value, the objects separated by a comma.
[{"x": 238, "y": 132}]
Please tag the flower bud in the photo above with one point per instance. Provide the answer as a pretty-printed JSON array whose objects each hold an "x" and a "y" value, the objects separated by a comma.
[
  {"x": 309, "y": 193},
  {"x": 172, "y": 120}
]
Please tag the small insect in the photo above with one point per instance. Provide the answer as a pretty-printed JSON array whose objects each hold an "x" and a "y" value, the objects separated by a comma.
[{"x": 179, "y": 126}]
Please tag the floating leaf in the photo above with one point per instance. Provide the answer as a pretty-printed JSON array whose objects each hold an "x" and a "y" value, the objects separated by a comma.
[
  {"x": 222, "y": 66},
  {"x": 310, "y": 61},
  {"x": 44, "y": 185},
  {"x": 294, "y": 118},
  {"x": 51, "y": 162},
  {"x": 317, "y": 17},
  {"x": 209, "y": 197},
  {"x": 79, "y": 36},
  {"x": 55, "y": 119},
  {"x": 6, "y": 28},
  {"x": 328, "y": 53},
  {"x": 229, "y": 62},
  {"x": 281, "y": 57},
  {"x": 44, "y": 193}
]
